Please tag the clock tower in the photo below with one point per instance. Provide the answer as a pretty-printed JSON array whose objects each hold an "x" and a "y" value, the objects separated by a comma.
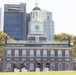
[{"x": 36, "y": 25}]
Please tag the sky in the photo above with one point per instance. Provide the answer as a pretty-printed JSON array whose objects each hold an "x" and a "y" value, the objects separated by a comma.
[{"x": 63, "y": 12}]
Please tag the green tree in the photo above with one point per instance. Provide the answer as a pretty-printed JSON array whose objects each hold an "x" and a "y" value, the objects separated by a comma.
[
  {"x": 3, "y": 37},
  {"x": 61, "y": 36},
  {"x": 64, "y": 37}
]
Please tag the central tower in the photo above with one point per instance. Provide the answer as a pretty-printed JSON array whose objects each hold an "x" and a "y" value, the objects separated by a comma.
[{"x": 36, "y": 26}]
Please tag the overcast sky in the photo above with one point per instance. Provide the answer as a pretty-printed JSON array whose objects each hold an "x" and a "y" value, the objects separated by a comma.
[{"x": 64, "y": 12}]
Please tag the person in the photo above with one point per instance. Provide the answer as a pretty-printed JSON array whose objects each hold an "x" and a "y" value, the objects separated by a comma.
[
  {"x": 15, "y": 67},
  {"x": 38, "y": 66},
  {"x": 47, "y": 65},
  {"x": 23, "y": 66}
]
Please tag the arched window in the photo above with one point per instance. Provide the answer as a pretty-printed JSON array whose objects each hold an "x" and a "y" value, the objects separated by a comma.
[
  {"x": 44, "y": 53},
  {"x": 59, "y": 66},
  {"x": 16, "y": 53},
  {"x": 66, "y": 53},
  {"x": 8, "y": 52},
  {"x": 23, "y": 52},
  {"x": 38, "y": 54},
  {"x": 31, "y": 53},
  {"x": 33, "y": 14},
  {"x": 31, "y": 66},
  {"x": 59, "y": 53},
  {"x": 67, "y": 66},
  {"x": 52, "y": 54},
  {"x": 52, "y": 66},
  {"x": 8, "y": 66}
]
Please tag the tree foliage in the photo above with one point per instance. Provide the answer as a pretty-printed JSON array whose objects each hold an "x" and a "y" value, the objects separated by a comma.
[
  {"x": 3, "y": 38},
  {"x": 63, "y": 37}
]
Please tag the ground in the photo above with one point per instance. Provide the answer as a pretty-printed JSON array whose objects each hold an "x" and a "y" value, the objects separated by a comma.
[{"x": 41, "y": 73}]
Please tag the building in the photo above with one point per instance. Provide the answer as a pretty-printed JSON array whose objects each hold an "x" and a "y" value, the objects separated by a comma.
[
  {"x": 59, "y": 54},
  {"x": 0, "y": 18},
  {"x": 46, "y": 18},
  {"x": 37, "y": 48},
  {"x": 27, "y": 22},
  {"x": 49, "y": 28},
  {"x": 15, "y": 21}
]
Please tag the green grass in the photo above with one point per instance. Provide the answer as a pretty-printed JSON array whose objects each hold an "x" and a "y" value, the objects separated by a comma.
[{"x": 40, "y": 73}]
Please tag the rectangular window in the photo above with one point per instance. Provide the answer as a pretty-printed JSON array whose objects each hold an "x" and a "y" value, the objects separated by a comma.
[
  {"x": 16, "y": 53},
  {"x": 16, "y": 59},
  {"x": 37, "y": 39},
  {"x": 66, "y": 53},
  {"x": 52, "y": 54},
  {"x": 8, "y": 58},
  {"x": 38, "y": 59},
  {"x": 52, "y": 59},
  {"x": 23, "y": 59},
  {"x": 8, "y": 52},
  {"x": 23, "y": 52},
  {"x": 67, "y": 59},
  {"x": 31, "y": 58},
  {"x": 59, "y": 53},
  {"x": 44, "y": 58},
  {"x": 38, "y": 53},
  {"x": 31, "y": 53},
  {"x": 44, "y": 53}
]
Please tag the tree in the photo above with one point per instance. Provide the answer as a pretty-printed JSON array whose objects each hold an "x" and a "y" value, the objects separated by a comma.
[
  {"x": 3, "y": 38},
  {"x": 61, "y": 36},
  {"x": 64, "y": 37}
]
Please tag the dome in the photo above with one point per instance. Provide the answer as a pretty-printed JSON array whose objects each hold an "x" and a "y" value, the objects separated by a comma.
[{"x": 36, "y": 8}]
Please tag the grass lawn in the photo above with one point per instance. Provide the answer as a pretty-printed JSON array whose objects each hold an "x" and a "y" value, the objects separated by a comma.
[{"x": 40, "y": 73}]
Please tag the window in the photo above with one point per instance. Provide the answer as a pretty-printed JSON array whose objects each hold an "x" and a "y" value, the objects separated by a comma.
[
  {"x": 44, "y": 53},
  {"x": 16, "y": 53},
  {"x": 31, "y": 53},
  {"x": 44, "y": 58},
  {"x": 48, "y": 17},
  {"x": 66, "y": 53},
  {"x": 52, "y": 59},
  {"x": 8, "y": 52},
  {"x": 36, "y": 14},
  {"x": 31, "y": 58},
  {"x": 67, "y": 59},
  {"x": 52, "y": 53},
  {"x": 23, "y": 52},
  {"x": 8, "y": 58},
  {"x": 59, "y": 53},
  {"x": 52, "y": 66},
  {"x": 23, "y": 59},
  {"x": 31, "y": 66},
  {"x": 59, "y": 66},
  {"x": 37, "y": 39},
  {"x": 8, "y": 66},
  {"x": 38, "y": 59},
  {"x": 38, "y": 53},
  {"x": 67, "y": 66},
  {"x": 59, "y": 59},
  {"x": 16, "y": 59},
  {"x": 33, "y": 14}
]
